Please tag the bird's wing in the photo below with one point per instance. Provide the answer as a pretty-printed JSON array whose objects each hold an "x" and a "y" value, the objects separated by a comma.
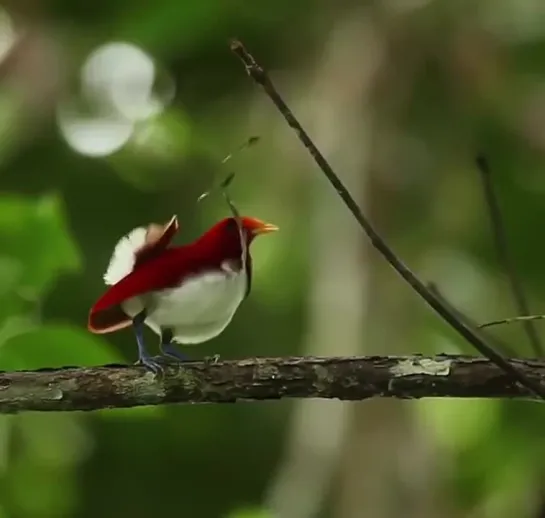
[
  {"x": 157, "y": 240},
  {"x": 156, "y": 273},
  {"x": 137, "y": 247}
]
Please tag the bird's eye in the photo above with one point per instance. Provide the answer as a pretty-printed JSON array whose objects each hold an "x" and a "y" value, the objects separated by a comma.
[{"x": 232, "y": 225}]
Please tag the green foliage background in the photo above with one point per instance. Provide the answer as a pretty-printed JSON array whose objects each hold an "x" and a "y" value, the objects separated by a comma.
[{"x": 454, "y": 85}]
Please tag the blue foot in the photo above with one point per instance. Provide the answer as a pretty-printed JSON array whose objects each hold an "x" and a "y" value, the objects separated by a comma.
[
  {"x": 170, "y": 352},
  {"x": 150, "y": 364},
  {"x": 143, "y": 356}
]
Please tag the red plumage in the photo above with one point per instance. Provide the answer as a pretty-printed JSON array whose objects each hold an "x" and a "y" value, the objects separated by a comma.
[{"x": 157, "y": 267}]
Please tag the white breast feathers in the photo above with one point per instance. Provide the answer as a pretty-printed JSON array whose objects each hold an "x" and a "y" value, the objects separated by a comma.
[{"x": 198, "y": 309}]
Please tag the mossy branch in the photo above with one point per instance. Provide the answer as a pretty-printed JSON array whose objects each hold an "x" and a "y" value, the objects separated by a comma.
[{"x": 260, "y": 379}]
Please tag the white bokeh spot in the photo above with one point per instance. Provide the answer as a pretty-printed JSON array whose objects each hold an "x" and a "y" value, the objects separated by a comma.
[
  {"x": 7, "y": 33},
  {"x": 96, "y": 137},
  {"x": 117, "y": 80},
  {"x": 123, "y": 75}
]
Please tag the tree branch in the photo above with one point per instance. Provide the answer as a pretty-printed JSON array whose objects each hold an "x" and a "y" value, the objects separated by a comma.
[
  {"x": 345, "y": 378},
  {"x": 258, "y": 74}
]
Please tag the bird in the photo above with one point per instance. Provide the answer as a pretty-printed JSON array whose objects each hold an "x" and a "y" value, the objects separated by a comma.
[{"x": 185, "y": 294}]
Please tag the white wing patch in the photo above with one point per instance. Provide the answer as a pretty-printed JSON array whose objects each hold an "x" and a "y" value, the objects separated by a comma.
[{"x": 122, "y": 260}]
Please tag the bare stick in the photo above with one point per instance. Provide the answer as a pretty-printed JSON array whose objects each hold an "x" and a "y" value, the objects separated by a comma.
[
  {"x": 250, "y": 142},
  {"x": 500, "y": 346},
  {"x": 223, "y": 188},
  {"x": 260, "y": 379},
  {"x": 258, "y": 74},
  {"x": 230, "y": 177},
  {"x": 525, "y": 318},
  {"x": 500, "y": 238}
]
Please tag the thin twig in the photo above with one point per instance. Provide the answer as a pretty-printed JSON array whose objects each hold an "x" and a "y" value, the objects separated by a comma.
[
  {"x": 500, "y": 239},
  {"x": 352, "y": 378},
  {"x": 258, "y": 74},
  {"x": 224, "y": 184},
  {"x": 525, "y": 318},
  {"x": 250, "y": 142},
  {"x": 492, "y": 340}
]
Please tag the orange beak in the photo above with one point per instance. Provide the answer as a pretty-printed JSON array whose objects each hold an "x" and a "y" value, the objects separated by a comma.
[{"x": 260, "y": 227}]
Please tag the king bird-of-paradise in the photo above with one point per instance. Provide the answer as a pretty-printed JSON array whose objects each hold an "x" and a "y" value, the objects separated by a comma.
[{"x": 186, "y": 294}]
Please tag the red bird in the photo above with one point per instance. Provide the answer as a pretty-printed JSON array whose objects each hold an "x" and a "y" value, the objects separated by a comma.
[{"x": 186, "y": 294}]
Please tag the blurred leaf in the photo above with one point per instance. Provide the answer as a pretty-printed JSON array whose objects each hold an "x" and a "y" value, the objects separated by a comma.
[
  {"x": 172, "y": 24},
  {"x": 6, "y": 436},
  {"x": 54, "y": 491},
  {"x": 34, "y": 233},
  {"x": 12, "y": 303},
  {"x": 155, "y": 152},
  {"x": 58, "y": 441},
  {"x": 458, "y": 423},
  {"x": 137, "y": 413},
  {"x": 15, "y": 325},
  {"x": 12, "y": 128},
  {"x": 250, "y": 512},
  {"x": 56, "y": 346}
]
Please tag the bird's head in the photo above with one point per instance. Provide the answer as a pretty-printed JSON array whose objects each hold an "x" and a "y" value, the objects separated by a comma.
[
  {"x": 251, "y": 228},
  {"x": 225, "y": 234}
]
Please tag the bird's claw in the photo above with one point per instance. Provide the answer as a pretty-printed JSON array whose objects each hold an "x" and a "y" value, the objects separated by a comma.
[
  {"x": 151, "y": 364},
  {"x": 212, "y": 360}
]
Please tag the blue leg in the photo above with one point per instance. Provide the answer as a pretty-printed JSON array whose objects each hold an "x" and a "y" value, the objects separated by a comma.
[
  {"x": 168, "y": 349},
  {"x": 143, "y": 356}
]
